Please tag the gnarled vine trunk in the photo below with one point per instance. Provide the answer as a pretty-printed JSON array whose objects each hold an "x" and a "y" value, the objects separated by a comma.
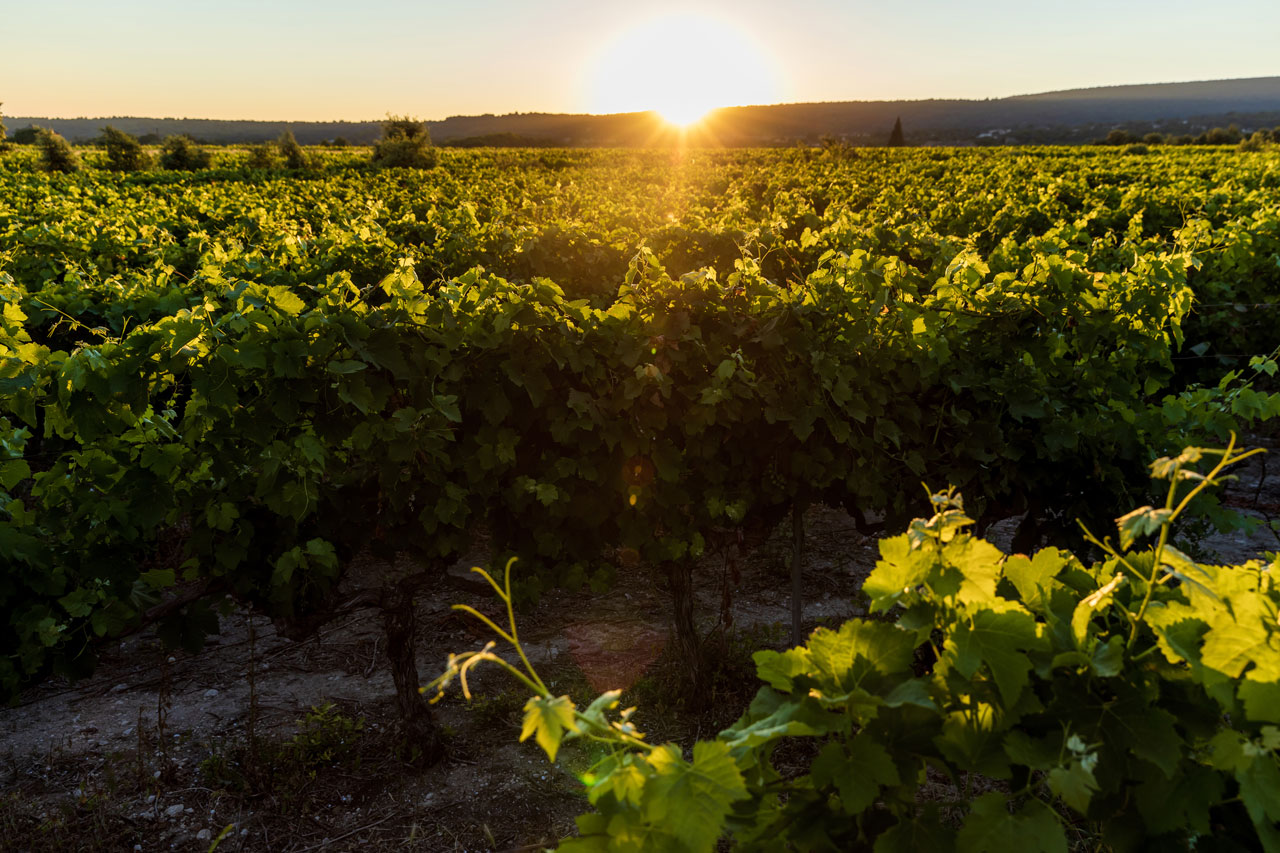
[
  {"x": 399, "y": 621},
  {"x": 688, "y": 643}
]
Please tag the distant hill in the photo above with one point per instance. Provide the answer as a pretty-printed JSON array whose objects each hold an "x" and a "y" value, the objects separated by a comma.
[{"x": 1075, "y": 115}]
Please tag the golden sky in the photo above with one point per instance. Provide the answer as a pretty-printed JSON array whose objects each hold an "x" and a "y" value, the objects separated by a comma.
[{"x": 323, "y": 59}]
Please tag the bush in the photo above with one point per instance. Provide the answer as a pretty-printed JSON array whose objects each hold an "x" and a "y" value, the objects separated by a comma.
[
  {"x": 1230, "y": 135},
  {"x": 291, "y": 151},
  {"x": 1256, "y": 142},
  {"x": 262, "y": 157},
  {"x": 56, "y": 154},
  {"x": 182, "y": 153},
  {"x": 405, "y": 143},
  {"x": 25, "y": 135},
  {"x": 124, "y": 152},
  {"x": 1136, "y": 148}
]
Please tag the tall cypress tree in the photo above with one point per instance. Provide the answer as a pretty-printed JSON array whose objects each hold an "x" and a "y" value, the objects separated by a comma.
[{"x": 895, "y": 138}]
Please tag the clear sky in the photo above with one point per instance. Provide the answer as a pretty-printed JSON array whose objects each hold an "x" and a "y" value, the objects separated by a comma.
[{"x": 361, "y": 59}]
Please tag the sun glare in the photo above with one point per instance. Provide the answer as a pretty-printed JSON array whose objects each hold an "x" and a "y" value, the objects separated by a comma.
[{"x": 682, "y": 66}]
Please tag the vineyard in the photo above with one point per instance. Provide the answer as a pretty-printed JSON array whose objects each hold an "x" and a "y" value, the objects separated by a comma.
[{"x": 307, "y": 393}]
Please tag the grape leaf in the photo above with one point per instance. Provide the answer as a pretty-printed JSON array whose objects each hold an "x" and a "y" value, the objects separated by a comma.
[
  {"x": 691, "y": 800},
  {"x": 990, "y": 828},
  {"x": 548, "y": 720}
]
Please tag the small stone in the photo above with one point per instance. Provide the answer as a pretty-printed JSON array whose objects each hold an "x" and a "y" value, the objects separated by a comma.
[
  {"x": 203, "y": 835},
  {"x": 174, "y": 810},
  {"x": 120, "y": 688},
  {"x": 210, "y": 693}
]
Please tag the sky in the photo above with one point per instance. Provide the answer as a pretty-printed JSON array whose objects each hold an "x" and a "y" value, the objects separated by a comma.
[{"x": 320, "y": 60}]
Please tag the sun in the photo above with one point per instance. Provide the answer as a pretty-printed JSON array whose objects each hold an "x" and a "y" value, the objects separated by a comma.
[{"x": 681, "y": 66}]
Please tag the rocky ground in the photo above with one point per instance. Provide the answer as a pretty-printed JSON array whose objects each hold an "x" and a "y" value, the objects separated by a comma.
[{"x": 258, "y": 743}]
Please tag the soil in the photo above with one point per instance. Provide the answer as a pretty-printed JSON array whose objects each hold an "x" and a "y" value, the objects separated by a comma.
[{"x": 274, "y": 745}]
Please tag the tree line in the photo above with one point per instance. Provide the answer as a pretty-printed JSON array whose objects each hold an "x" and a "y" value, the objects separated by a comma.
[
  {"x": 1230, "y": 135},
  {"x": 405, "y": 142}
]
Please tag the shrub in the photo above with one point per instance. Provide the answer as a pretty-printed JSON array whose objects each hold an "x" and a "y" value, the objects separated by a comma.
[
  {"x": 291, "y": 151},
  {"x": 1136, "y": 148},
  {"x": 56, "y": 154},
  {"x": 1256, "y": 142},
  {"x": 1229, "y": 135},
  {"x": 262, "y": 157},
  {"x": 405, "y": 143},
  {"x": 182, "y": 153},
  {"x": 124, "y": 152},
  {"x": 25, "y": 135}
]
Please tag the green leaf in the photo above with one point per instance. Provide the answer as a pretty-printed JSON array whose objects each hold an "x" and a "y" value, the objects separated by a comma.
[
  {"x": 990, "y": 828},
  {"x": 691, "y": 801},
  {"x": 79, "y": 602},
  {"x": 861, "y": 649},
  {"x": 547, "y": 493},
  {"x": 1034, "y": 577},
  {"x": 922, "y": 833},
  {"x": 13, "y": 472},
  {"x": 1169, "y": 805},
  {"x": 606, "y": 701},
  {"x": 998, "y": 639},
  {"x": 913, "y": 692},
  {"x": 774, "y": 716},
  {"x": 1108, "y": 658},
  {"x": 346, "y": 366},
  {"x": 858, "y": 773},
  {"x": 979, "y": 564},
  {"x": 1075, "y": 784},
  {"x": 1259, "y": 779},
  {"x": 593, "y": 835},
  {"x": 221, "y": 516},
  {"x": 780, "y": 669},
  {"x": 1082, "y": 616},
  {"x": 1261, "y": 700},
  {"x": 624, "y": 780},
  {"x": 1143, "y": 521},
  {"x": 548, "y": 720},
  {"x": 158, "y": 578},
  {"x": 898, "y": 572},
  {"x": 1148, "y": 732},
  {"x": 286, "y": 300}
]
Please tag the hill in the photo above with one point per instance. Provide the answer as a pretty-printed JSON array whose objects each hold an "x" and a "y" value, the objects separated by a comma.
[{"x": 1074, "y": 115}]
